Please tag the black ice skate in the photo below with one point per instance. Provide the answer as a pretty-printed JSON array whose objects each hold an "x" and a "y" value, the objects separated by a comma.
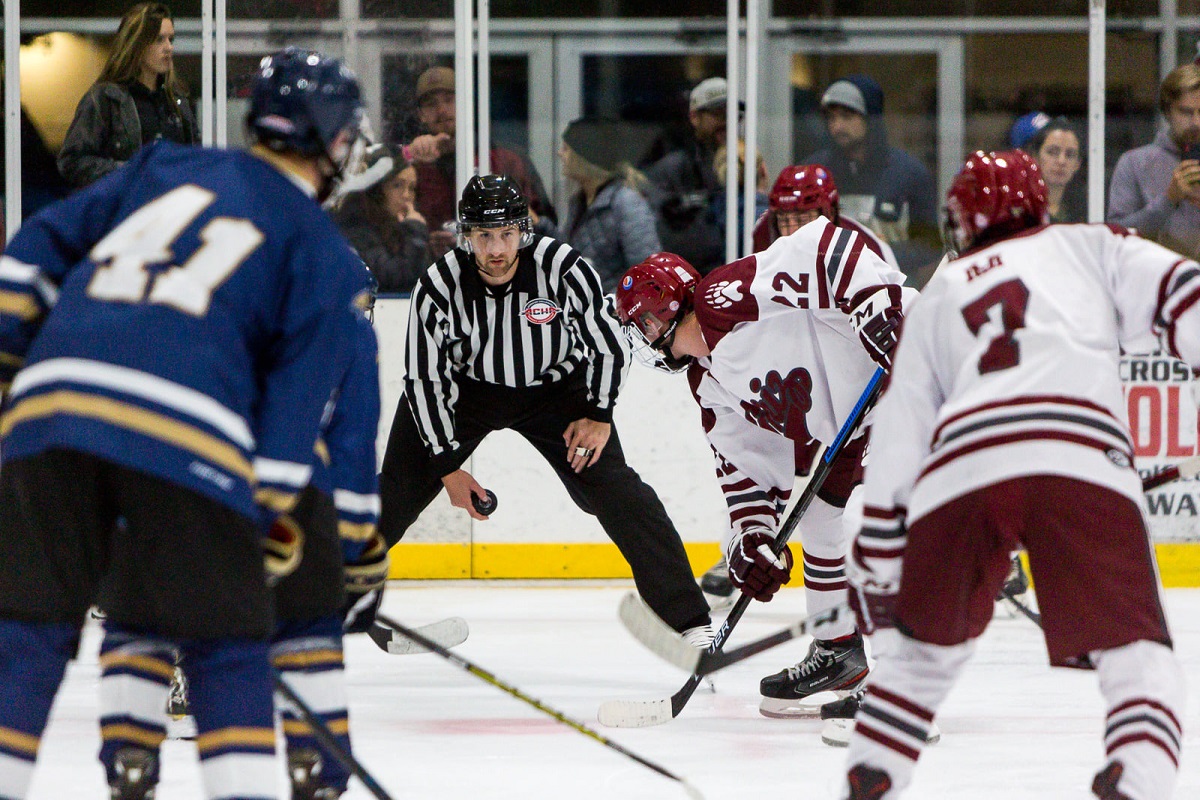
[
  {"x": 1105, "y": 784},
  {"x": 304, "y": 770},
  {"x": 137, "y": 774},
  {"x": 867, "y": 783},
  {"x": 717, "y": 588},
  {"x": 838, "y": 666},
  {"x": 838, "y": 717}
]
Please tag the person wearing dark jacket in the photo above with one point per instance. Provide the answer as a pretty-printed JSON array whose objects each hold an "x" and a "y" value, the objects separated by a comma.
[
  {"x": 683, "y": 183},
  {"x": 377, "y": 216},
  {"x": 882, "y": 187},
  {"x": 136, "y": 100}
]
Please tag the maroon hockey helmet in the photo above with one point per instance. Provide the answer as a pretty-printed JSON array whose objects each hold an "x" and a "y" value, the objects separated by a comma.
[
  {"x": 995, "y": 195},
  {"x": 802, "y": 187},
  {"x": 652, "y": 299}
]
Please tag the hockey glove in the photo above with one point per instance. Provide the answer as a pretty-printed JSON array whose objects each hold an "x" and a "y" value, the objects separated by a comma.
[
  {"x": 876, "y": 316},
  {"x": 753, "y": 568},
  {"x": 282, "y": 548},
  {"x": 365, "y": 580},
  {"x": 872, "y": 599}
]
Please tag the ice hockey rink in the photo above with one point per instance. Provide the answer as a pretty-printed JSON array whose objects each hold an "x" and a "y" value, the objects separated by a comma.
[{"x": 1012, "y": 728}]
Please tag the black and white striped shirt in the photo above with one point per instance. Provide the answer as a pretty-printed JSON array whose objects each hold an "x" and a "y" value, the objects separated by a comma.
[{"x": 547, "y": 322}]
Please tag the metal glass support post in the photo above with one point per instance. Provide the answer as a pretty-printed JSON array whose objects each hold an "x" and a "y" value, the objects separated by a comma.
[{"x": 1097, "y": 18}]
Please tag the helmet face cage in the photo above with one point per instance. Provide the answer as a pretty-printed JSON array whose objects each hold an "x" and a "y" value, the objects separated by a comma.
[{"x": 652, "y": 298}]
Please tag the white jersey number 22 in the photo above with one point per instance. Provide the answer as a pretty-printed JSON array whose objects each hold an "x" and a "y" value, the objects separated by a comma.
[{"x": 145, "y": 238}]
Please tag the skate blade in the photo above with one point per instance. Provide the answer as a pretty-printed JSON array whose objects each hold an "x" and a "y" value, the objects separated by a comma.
[{"x": 802, "y": 708}]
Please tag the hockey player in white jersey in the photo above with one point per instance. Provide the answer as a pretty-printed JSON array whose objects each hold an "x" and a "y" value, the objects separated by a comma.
[
  {"x": 779, "y": 346},
  {"x": 1006, "y": 426}
]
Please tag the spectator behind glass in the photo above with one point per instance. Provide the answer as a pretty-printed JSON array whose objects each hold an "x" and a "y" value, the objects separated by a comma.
[
  {"x": 683, "y": 182},
  {"x": 377, "y": 217},
  {"x": 882, "y": 187},
  {"x": 1154, "y": 187},
  {"x": 1058, "y": 150},
  {"x": 433, "y": 154},
  {"x": 608, "y": 221},
  {"x": 1025, "y": 128},
  {"x": 760, "y": 194},
  {"x": 136, "y": 99}
]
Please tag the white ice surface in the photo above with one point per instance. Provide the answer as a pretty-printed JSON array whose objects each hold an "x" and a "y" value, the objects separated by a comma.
[{"x": 1012, "y": 729}]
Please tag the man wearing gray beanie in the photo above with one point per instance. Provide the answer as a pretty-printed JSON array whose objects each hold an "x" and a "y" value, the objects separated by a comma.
[{"x": 882, "y": 187}]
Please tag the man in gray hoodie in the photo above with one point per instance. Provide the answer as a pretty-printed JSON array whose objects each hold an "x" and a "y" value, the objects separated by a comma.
[{"x": 1156, "y": 188}]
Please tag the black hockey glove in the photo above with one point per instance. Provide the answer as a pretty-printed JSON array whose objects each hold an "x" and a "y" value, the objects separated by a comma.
[
  {"x": 754, "y": 569},
  {"x": 876, "y": 315},
  {"x": 282, "y": 548},
  {"x": 365, "y": 580}
]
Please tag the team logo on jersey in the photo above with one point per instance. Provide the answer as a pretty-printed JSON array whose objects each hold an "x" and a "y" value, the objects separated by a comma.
[
  {"x": 1118, "y": 458},
  {"x": 782, "y": 403},
  {"x": 539, "y": 311},
  {"x": 724, "y": 294}
]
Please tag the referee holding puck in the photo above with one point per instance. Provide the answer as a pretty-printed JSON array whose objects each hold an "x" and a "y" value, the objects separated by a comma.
[{"x": 510, "y": 330}]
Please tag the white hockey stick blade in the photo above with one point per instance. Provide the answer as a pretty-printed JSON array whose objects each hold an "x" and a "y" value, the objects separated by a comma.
[
  {"x": 447, "y": 632},
  {"x": 1189, "y": 468},
  {"x": 659, "y": 637},
  {"x": 634, "y": 713}
]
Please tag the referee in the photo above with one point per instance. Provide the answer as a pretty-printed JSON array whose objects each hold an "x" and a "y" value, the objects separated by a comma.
[{"x": 509, "y": 330}]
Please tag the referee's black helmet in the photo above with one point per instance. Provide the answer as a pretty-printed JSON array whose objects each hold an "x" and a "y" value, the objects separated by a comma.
[{"x": 493, "y": 201}]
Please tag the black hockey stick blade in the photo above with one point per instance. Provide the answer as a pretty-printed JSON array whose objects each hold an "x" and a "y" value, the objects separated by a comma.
[
  {"x": 329, "y": 741},
  {"x": 1025, "y": 610},
  {"x": 644, "y": 713},
  {"x": 488, "y": 677},
  {"x": 447, "y": 632},
  {"x": 664, "y": 642}
]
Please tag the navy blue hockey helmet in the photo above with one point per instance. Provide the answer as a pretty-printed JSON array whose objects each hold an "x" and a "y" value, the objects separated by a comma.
[{"x": 301, "y": 100}]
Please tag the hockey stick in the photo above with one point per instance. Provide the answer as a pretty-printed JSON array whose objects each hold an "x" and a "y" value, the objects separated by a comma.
[
  {"x": 644, "y": 713},
  {"x": 328, "y": 740},
  {"x": 447, "y": 632},
  {"x": 488, "y": 677},
  {"x": 1184, "y": 469},
  {"x": 662, "y": 640}
]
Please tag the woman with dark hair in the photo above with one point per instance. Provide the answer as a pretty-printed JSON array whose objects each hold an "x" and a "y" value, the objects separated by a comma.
[
  {"x": 1058, "y": 149},
  {"x": 378, "y": 216},
  {"x": 136, "y": 99}
]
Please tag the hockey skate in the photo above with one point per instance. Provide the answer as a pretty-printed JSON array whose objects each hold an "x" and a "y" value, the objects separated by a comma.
[
  {"x": 717, "y": 588},
  {"x": 1104, "y": 785},
  {"x": 838, "y": 718},
  {"x": 304, "y": 771},
  {"x": 700, "y": 636},
  {"x": 838, "y": 667},
  {"x": 136, "y": 774}
]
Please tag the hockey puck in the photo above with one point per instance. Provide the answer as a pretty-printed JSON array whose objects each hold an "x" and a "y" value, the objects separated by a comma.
[{"x": 484, "y": 505}]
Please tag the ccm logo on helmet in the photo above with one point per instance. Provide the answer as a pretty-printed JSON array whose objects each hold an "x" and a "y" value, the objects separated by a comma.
[{"x": 540, "y": 311}]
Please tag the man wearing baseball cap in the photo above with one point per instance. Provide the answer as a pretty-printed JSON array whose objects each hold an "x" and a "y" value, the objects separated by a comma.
[
  {"x": 683, "y": 182},
  {"x": 882, "y": 187},
  {"x": 433, "y": 154}
]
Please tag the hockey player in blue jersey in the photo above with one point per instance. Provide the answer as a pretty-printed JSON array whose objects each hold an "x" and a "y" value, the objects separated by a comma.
[{"x": 178, "y": 328}]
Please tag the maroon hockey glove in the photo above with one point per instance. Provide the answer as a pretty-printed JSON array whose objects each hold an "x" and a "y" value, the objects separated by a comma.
[
  {"x": 364, "y": 581},
  {"x": 877, "y": 316},
  {"x": 872, "y": 610},
  {"x": 754, "y": 569}
]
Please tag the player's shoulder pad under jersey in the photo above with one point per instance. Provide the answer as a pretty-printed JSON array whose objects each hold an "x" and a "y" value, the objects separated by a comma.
[{"x": 723, "y": 298}]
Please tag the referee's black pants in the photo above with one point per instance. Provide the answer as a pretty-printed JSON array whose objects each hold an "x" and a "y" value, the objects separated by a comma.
[{"x": 627, "y": 508}]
